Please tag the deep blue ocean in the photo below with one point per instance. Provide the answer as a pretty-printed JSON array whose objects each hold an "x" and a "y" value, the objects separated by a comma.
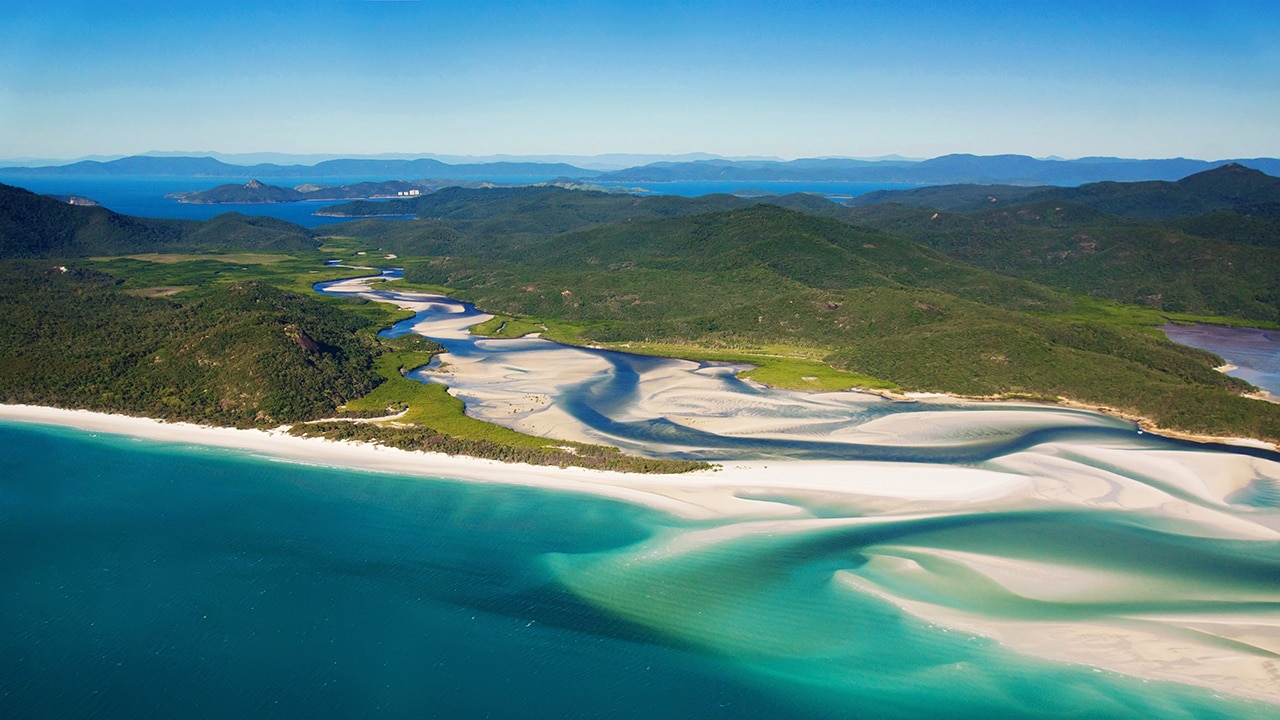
[{"x": 145, "y": 196}]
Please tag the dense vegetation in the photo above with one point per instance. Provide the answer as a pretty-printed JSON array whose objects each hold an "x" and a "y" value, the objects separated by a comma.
[
  {"x": 816, "y": 294},
  {"x": 1208, "y": 244},
  {"x": 242, "y": 354},
  {"x": 535, "y": 209},
  {"x": 1161, "y": 265},
  {"x": 866, "y": 301},
  {"x": 227, "y": 347},
  {"x": 259, "y": 192},
  {"x": 37, "y": 226},
  {"x": 1229, "y": 187}
]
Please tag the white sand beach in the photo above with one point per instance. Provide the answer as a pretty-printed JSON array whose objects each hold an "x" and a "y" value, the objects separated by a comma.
[
  {"x": 778, "y": 497},
  {"x": 1172, "y": 491}
]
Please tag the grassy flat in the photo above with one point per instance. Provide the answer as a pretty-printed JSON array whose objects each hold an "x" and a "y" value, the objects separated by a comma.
[
  {"x": 431, "y": 405},
  {"x": 503, "y": 326},
  {"x": 239, "y": 258},
  {"x": 780, "y": 366}
]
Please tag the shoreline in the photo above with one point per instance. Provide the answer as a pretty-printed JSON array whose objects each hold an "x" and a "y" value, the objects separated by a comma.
[
  {"x": 780, "y": 497},
  {"x": 477, "y": 397},
  {"x": 278, "y": 444},
  {"x": 722, "y": 492},
  {"x": 1147, "y": 425}
]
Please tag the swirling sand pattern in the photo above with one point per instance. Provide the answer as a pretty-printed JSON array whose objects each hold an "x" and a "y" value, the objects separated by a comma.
[{"x": 1081, "y": 540}]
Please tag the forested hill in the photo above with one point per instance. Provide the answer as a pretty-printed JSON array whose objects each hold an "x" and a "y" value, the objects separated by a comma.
[
  {"x": 865, "y": 301},
  {"x": 717, "y": 274},
  {"x": 536, "y": 209},
  {"x": 33, "y": 226},
  {"x": 1231, "y": 187},
  {"x": 242, "y": 354},
  {"x": 1222, "y": 257}
]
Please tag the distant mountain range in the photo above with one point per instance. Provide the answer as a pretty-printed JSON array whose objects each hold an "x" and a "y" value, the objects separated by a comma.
[
  {"x": 382, "y": 169},
  {"x": 1227, "y": 187},
  {"x": 946, "y": 170}
]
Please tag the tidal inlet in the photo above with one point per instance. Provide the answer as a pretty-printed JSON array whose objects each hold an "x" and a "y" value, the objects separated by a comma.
[
  {"x": 919, "y": 557},
  {"x": 848, "y": 555}
]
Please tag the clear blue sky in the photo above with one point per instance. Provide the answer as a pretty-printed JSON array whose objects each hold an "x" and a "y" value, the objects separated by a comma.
[{"x": 791, "y": 79}]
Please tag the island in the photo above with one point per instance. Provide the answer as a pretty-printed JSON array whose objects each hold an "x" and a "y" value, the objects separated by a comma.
[{"x": 256, "y": 192}]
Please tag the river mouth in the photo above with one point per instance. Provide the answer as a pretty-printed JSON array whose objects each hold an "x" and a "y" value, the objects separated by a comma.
[
  {"x": 681, "y": 409},
  {"x": 1062, "y": 534}
]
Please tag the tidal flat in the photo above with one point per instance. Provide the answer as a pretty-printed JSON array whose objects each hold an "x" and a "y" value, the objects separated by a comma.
[{"x": 850, "y": 555}]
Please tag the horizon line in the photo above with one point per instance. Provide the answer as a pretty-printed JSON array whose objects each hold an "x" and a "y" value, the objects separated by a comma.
[{"x": 552, "y": 158}]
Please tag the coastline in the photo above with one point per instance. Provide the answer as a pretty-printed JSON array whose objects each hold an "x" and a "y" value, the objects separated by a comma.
[
  {"x": 722, "y": 492},
  {"x": 484, "y": 396},
  {"x": 1149, "y": 426},
  {"x": 779, "y": 497}
]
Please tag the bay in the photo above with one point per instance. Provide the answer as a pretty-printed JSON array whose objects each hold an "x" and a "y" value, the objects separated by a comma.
[
  {"x": 1255, "y": 353},
  {"x": 140, "y": 579},
  {"x": 144, "y": 196}
]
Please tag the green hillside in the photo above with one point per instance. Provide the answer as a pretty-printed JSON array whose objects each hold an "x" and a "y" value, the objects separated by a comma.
[
  {"x": 1229, "y": 187},
  {"x": 1223, "y": 188},
  {"x": 33, "y": 226},
  {"x": 867, "y": 302},
  {"x": 541, "y": 209},
  {"x": 243, "y": 354},
  {"x": 717, "y": 277},
  {"x": 1083, "y": 250}
]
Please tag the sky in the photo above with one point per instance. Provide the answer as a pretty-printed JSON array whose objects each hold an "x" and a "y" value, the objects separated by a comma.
[{"x": 785, "y": 79}]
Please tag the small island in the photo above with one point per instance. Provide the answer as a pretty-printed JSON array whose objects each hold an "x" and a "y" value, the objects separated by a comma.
[{"x": 256, "y": 192}]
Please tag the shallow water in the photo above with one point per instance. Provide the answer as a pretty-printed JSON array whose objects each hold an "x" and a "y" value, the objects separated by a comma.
[
  {"x": 1254, "y": 352},
  {"x": 151, "y": 580},
  {"x": 662, "y": 407},
  {"x": 966, "y": 561}
]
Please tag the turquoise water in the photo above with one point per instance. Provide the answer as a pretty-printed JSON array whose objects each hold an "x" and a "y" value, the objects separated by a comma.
[{"x": 139, "y": 579}]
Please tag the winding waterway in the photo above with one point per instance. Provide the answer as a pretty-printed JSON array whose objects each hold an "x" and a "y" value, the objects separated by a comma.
[
  {"x": 1066, "y": 535},
  {"x": 852, "y": 557}
]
